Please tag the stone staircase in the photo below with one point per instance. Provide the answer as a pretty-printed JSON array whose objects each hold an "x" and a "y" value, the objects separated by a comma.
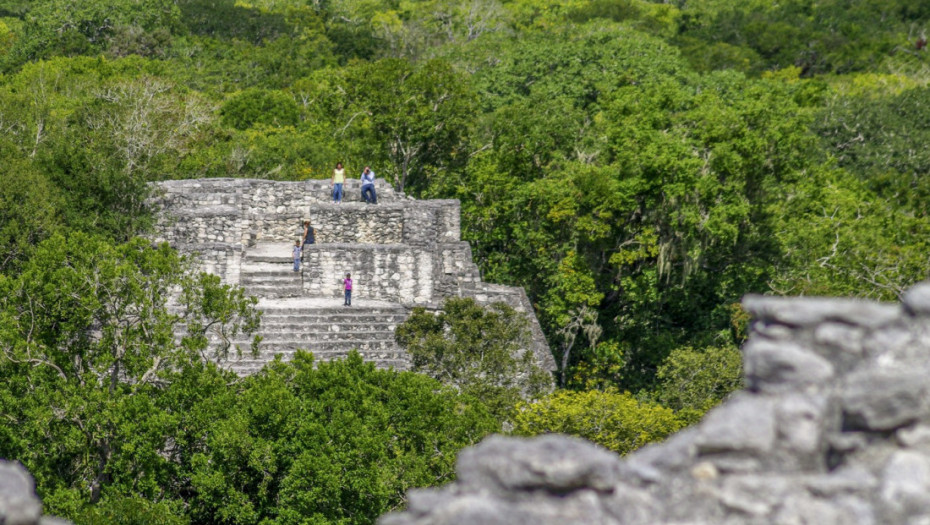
[
  {"x": 328, "y": 330},
  {"x": 293, "y": 321},
  {"x": 267, "y": 273}
]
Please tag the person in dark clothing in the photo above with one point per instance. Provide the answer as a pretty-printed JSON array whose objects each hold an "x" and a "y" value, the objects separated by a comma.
[
  {"x": 368, "y": 186},
  {"x": 309, "y": 233}
]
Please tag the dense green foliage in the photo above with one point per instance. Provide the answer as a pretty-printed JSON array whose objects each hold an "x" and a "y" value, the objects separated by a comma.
[
  {"x": 615, "y": 421},
  {"x": 339, "y": 442},
  {"x": 482, "y": 352},
  {"x": 106, "y": 407},
  {"x": 638, "y": 166}
]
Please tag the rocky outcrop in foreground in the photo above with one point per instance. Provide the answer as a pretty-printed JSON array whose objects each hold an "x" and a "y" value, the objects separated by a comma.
[
  {"x": 19, "y": 504},
  {"x": 833, "y": 428}
]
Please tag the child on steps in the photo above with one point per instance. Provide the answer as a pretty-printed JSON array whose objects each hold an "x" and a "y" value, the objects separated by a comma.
[
  {"x": 348, "y": 287},
  {"x": 297, "y": 256}
]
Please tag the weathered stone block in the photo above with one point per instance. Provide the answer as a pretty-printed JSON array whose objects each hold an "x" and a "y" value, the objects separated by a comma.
[
  {"x": 886, "y": 399},
  {"x": 19, "y": 504},
  {"x": 745, "y": 424},
  {"x": 906, "y": 484},
  {"x": 811, "y": 311},
  {"x": 551, "y": 463},
  {"x": 779, "y": 366},
  {"x": 801, "y": 422},
  {"x": 916, "y": 300}
]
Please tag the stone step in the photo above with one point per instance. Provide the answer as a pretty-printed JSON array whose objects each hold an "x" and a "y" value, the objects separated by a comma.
[
  {"x": 344, "y": 333},
  {"x": 343, "y": 316},
  {"x": 283, "y": 279},
  {"x": 253, "y": 266},
  {"x": 327, "y": 345},
  {"x": 319, "y": 337},
  {"x": 326, "y": 325},
  {"x": 335, "y": 310},
  {"x": 248, "y": 367},
  {"x": 277, "y": 253},
  {"x": 286, "y": 353},
  {"x": 275, "y": 292},
  {"x": 353, "y": 337},
  {"x": 363, "y": 343},
  {"x": 294, "y": 281},
  {"x": 325, "y": 355},
  {"x": 250, "y": 258},
  {"x": 254, "y": 366},
  {"x": 285, "y": 273}
]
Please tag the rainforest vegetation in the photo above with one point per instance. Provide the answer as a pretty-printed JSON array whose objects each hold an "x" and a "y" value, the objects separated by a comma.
[{"x": 638, "y": 166}]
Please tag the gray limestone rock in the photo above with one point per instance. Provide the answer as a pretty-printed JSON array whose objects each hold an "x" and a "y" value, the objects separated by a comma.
[
  {"x": 839, "y": 343},
  {"x": 754, "y": 495},
  {"x": 812, "y": 311},
  {"x": 843, "y": 481},
  {"x": 800, "y": 509},
  {"x": 781, "y": 366},
  {"x": 746, "y": 424},
  {"x": 802, "y": 422},
  {"x": 649, "y": 464},
  {"x": 45, "y": 520},
  {"x": 551, "y": 463},
  {"x": 631, "y": 506},
  {"x": 906, "y": 484},
  {"x": 886, "y": 399},
  {"x": 916, "y": 300},
  {"x": 915, "y": 436},
  {"x": 19, "y": 504}
]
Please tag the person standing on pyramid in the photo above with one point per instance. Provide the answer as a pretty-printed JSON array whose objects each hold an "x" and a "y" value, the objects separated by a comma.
[
  {"x": 368, "y": 186},
  {"x": 339, "y": 178},
  {"x": 348, "y": 287},
  {"x": 296, "y": 253},
  {"x": 309, "y": 234}
]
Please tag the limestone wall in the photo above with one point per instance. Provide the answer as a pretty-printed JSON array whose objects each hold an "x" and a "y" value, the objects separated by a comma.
[
  {"x": 382, "y": 224},
  {"x": 387, "y": 272},
  {"x": 246, "y": 212},
  {"x": 432, "y": 221},
  {"x": 833, "y": 428}
]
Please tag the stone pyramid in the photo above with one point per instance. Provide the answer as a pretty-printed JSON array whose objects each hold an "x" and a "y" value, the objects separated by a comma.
[{"x": 402, "y": 253}]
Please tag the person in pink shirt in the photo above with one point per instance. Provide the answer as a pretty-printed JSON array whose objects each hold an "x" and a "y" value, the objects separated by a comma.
[{"x": 348, "y": 285}]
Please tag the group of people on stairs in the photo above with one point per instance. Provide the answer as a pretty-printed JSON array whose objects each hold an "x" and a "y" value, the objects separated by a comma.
[
  {"x": 368, "y": 184},
  {"x": 298, "y": 252},
  {"x": 309, "y": 235}
]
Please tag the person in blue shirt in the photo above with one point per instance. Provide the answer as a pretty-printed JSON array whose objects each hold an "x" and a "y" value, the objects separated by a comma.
[
  {"x": 296, "y": 252},
  {"x": 368, "y": 186}
]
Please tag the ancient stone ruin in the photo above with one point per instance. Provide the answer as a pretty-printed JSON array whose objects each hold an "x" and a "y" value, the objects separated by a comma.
[
  {"x": 832, "y": 429},
  {"x": 401, "y": 252}
]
